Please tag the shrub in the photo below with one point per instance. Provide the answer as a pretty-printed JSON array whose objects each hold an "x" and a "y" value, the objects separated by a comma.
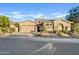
[
  {"x": 75, "y": 27},
  {"x": 50, "y": 31},
  {"x": 11, "y": 30},
  {"x": 38, "y": 34},
  {"x": 32, "y": 31},
  {"x": 54, "y": 31},
  {"x": 4, "y": 30},
  {"x": 60, "y": 33},
  {"x": 42, "y": 28},
  {"x": 65, "y": 31},
  {"x": 57, "y": 31}
]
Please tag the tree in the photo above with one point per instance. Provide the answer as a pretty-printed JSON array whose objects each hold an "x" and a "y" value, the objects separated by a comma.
[
  {"x": 18, "y": 26},
  {"x": 4, "y": 21},
  {"x": 73, "y": 14}
]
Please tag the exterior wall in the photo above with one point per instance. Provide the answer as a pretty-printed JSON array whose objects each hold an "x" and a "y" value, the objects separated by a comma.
[
  {"x": 38, "y": 21},
  {"x": 66, "y": 25},
  {"x": 27, "y": 26},
  {"x": 48, "y": 26}
]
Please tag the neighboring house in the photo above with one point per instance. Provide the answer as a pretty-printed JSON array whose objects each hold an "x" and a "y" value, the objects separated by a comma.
[{"x": 50, "y": 25}]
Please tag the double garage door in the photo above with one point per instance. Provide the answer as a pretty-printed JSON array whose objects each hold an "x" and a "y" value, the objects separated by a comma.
[{"x": 28, "y": 28}]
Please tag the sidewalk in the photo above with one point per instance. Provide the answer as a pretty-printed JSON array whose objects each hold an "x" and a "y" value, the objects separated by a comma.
[{"x": 4, "y": 35}]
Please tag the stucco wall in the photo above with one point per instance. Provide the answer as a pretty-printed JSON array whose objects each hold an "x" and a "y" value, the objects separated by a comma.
[
  {"x": 64, "y": 23},
  {"x": 27, "y": 26},
  {"x": 48, "y": 25}
]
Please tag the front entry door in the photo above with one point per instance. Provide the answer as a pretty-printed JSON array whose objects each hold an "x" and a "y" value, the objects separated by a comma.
[{"x": 38, "y": 27}]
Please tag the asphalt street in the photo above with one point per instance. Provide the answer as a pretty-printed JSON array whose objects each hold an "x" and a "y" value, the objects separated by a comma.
[{"x": 23, "y": 45}]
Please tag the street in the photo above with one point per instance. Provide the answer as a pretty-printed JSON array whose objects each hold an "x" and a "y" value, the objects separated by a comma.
[
  {"x": 15, "y": 45},
  {"x": 23, "y": 45}
]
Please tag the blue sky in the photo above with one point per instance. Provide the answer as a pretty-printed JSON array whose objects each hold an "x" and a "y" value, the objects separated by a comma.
[{"x": 30, "y": 11}]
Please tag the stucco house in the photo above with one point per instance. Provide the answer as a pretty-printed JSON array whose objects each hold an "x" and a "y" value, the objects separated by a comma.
[
  {"x": 27, "y": 26},
  {"x": 50, "y": 25}
]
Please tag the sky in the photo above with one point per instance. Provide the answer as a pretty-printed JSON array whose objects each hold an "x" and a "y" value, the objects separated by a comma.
[{"x": 29, "y": 11}]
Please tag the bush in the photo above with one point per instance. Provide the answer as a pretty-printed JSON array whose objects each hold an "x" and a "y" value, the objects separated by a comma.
[
  {"x": 54, "y": 31},
  {"x": 66, "y": 31},
  {"x": 57, "y": 31},
  {"x": 38, "y": 34},
  {"x": 42, "y": 28},
  {"x": 4, "y": 30},
  {"x": 60, "y": 33},
  {"x": 75, "y": 27},
  {"x": 32, "y": 31},
  {"x": 11, "y": 30}
]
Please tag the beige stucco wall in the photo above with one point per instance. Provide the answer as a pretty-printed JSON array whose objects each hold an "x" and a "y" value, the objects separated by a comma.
[
  {"x": 64, "y": 23},
  {"x": 48, "y": 25},
  {"x": 39, "y": 21},
  {"x": 30, "y": 26},
  {"x": 27, "y": 26}
]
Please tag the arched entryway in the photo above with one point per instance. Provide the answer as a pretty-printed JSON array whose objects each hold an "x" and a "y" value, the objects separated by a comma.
[
  {"x": 38, "y": 27},
  {"x": 60, "y": 27}
]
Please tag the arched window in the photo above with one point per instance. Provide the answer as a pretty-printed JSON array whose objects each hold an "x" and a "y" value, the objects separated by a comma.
[
  {"x": 60, "y": 27},
  {"x": 66, "y": 28}
]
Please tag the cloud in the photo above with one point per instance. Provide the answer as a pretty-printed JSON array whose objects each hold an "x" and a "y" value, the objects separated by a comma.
[
  {"x": 59, "y": 15},
  {"x": 39, "y": 16},
  {"x": 1, "y": 13},
  {"x": 20, "y": 15},
  {"x": 17, "y": 15}
]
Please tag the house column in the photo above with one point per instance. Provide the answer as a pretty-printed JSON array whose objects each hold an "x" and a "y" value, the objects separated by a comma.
[{"x": 35, "y": 28}]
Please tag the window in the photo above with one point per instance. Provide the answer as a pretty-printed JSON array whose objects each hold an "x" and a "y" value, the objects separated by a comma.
[
  {"x": 66, "y": 27},
  {"x": 50, "y": 24},
  {"x": 39, "y": 22},
  {"x": 47, "y": 24}
]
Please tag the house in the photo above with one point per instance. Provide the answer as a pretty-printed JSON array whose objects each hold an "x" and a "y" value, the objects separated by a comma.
[
  {"x": 61, "y": 24},
  {"x": 27, "y": 26},
  {"x": 49, "y": 25}
]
